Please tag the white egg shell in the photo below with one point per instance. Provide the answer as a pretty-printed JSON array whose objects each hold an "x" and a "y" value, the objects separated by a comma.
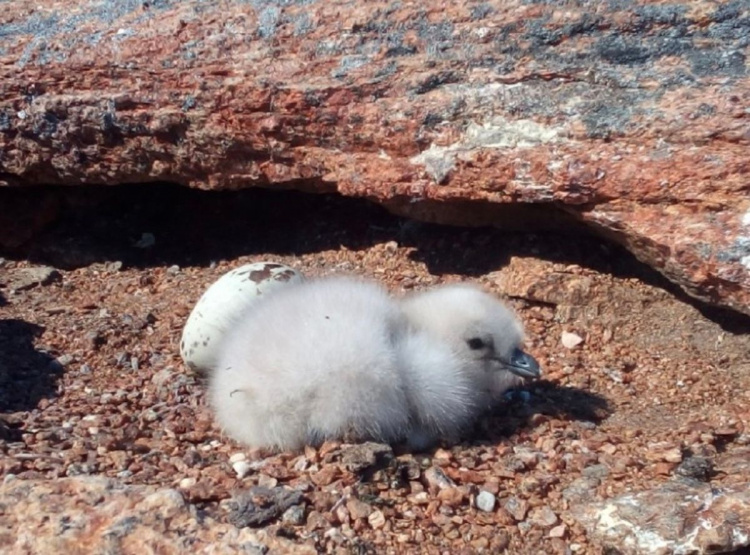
[{"x": 222, "y": 302}]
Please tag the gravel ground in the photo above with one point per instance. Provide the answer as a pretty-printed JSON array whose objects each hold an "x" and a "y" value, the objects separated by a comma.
[{"x": 91, "y": 381}]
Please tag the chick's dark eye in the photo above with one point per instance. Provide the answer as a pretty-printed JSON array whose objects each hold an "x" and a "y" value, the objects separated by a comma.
[{"x": 475, "y": 343}]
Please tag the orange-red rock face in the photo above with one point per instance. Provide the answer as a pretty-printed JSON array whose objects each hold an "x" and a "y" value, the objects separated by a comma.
[{"x": 630, "y": 115}]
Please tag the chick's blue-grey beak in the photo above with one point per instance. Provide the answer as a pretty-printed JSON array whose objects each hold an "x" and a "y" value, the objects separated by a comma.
[{"x": 523, "y": 364}]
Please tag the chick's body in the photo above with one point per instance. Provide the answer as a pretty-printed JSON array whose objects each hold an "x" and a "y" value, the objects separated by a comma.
[
  {"x": 339, "y": 358},
  {"x": 313, "y": 361}
]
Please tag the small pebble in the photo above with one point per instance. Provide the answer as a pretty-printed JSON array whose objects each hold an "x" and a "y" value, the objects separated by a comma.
[
  {"x": 571, "y": 340},
  {"x": 545, "y": 516},
  {"x": 187, "y": 483},
  {"x": 64, "y": 360},
  {"x": 242, "y": 468},
  {"x": 436, "y": 479},
  {"x": 664, "y": 451},
  {"x": 485, "y": 501},
  {"x": 391, "y": 247},
  {"x": 529, "y": 457},
  {"x": 596, "y": 471},
  {"x": 557, "y": 532},
  {"x": 358, "y": 509},
  {"x": 516, "y": 507},
  {"x": 376, "y": 519},
  {"x": 267, "y": 481},
  {"x": 421, "y": 498},
  {"x": 294, "y": 515}
]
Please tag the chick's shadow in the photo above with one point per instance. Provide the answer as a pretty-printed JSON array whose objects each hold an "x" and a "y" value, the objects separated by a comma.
[
  {"x": 520, "y": 409},
  {"x": 521, "y": 406}
]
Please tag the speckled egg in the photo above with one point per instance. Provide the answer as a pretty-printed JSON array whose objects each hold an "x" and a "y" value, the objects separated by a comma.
[{"x": 222, "y": 302}]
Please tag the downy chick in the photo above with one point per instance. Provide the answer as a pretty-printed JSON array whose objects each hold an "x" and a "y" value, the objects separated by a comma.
[{"x": 339, "y": 358}]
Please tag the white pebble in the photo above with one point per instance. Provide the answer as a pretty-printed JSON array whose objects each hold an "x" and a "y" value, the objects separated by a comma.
[
  {"x": 187, "y": 483},
  {"x": 242, "y": 468},
  {"x": 571, "y": 340},
  {"x": 485, "y": 501}
]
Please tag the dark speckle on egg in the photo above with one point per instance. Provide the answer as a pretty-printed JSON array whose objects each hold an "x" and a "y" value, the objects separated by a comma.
[
  {"x": 195, "y": 343},
  {"x": 259, "y": 275}
]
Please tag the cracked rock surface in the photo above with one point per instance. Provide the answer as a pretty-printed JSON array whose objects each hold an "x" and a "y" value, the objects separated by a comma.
[{"x": 677, "y": 517}]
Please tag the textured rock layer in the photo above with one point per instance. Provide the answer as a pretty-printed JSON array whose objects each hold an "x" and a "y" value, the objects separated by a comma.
[
  {"x": 676, "y": 518},
  {"x": 630, "y": 116},
  {"x": 97, "y": 515}
]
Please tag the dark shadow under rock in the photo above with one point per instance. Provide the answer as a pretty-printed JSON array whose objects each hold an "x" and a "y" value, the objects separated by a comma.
[
  {"x": 145, "y": 226},
  {"x": 27, "y": 375}
]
